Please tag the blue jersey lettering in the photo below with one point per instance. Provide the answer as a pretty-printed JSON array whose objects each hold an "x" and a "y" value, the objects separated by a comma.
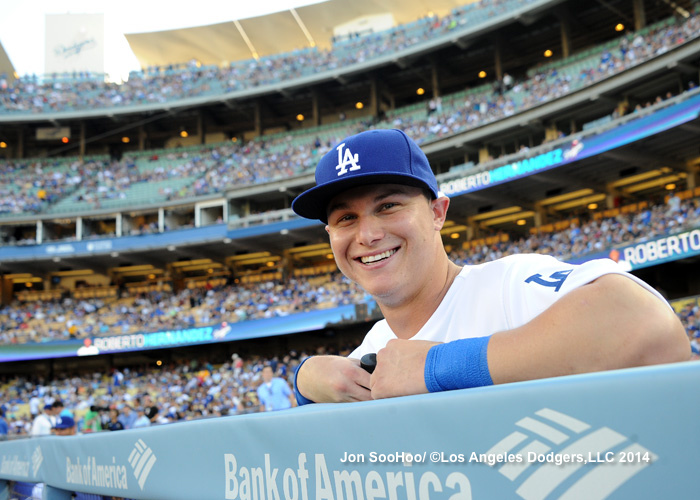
[{"x": 557, "y": 279}]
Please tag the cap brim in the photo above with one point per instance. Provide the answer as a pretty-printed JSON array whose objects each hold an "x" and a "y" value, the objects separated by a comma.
[{"x": 313, "y": 203}]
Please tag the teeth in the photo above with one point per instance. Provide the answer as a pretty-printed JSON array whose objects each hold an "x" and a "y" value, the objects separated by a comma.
[{"x": 379, "y": 256}]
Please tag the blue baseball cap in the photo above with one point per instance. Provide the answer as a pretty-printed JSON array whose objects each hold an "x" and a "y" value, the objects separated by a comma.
[
  {"x": 64, "y": 422},
  {"x": 372, "y": 157}
]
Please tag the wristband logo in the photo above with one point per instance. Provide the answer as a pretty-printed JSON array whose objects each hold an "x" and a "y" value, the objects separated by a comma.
[{"x": 580, "y": 446}]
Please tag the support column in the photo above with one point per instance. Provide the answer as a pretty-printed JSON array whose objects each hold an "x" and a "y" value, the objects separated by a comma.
[
  {"x": 82, "y": 140},
  {"x": 565, "y": 37},
  {"x": 693, "y": 178},
  {"x": 484, "y": 155},
  {"x": 640, "y": 15},
  {"x": 142, "y": 138},
  {"x": 161, "y": 220},
  {"x": 473, "y": 229},
  {"x": 434, "y": 80},
  {"x": 19, "y": 152},
  {"x": 7, "y": 289},
  {"x": 373, "y": 97},
  {"x": 610, "y": 200},
  {"x": 118, "y": 225},
  {"x": 257, "y": 120},
  {"x": 315, "y": 114},
  {"x": 201, "y": 129},
  {"x": 540, "y": 215},
  {"x": 79, "y": 229},
  {"x": 497, "y": 63},
  {"x": 39, "y": 232},
  {"x": 392, "y": 102}
]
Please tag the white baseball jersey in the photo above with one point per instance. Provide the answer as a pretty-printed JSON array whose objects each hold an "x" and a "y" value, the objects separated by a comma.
[{"x": 499, "y": 295}]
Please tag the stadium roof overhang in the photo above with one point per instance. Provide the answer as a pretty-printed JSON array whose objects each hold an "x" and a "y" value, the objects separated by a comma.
[
  {"x": 222, "y": 43},
  {"x": 6, "y": 66}
]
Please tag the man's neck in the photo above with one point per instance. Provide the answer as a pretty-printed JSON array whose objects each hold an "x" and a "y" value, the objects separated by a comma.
[{"x": 407, "y": 319}]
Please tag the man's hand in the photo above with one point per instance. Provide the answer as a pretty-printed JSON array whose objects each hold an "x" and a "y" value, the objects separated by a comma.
[
  {"x": 333, "y": 379},
  {"x": 400, "y": 369}
]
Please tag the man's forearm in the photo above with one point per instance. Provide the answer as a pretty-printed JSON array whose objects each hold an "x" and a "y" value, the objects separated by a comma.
[
  {"x": 608, "y": 324},
  {"x": 331, "y": 379}
]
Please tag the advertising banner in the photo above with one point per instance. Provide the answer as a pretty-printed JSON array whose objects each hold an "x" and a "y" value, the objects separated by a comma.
[
  {"x": 619, "y": 435},
  {"x": 577, "y": 149}
]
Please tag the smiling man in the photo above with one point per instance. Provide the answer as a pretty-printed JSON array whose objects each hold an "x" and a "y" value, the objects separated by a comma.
[{"x": 448, "y": 327}]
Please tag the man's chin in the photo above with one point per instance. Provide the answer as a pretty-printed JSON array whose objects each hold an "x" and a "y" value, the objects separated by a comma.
[{"x": 386, "y": 296}]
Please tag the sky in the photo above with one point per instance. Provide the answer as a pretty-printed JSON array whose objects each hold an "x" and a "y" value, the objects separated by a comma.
[{"x": 22, "y": 24}]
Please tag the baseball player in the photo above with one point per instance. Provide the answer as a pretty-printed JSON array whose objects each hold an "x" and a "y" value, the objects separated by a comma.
[{"x": 448, "y": 327}]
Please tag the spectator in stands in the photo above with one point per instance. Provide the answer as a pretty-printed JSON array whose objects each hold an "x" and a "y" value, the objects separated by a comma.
[
  {"x": 146, "y": 417},
  {"x": 92, "y": 421},
  {"x": 114, "y": 422},
  {"x": 379, "y": 199},
  {"x": 60, "y": 410},
  {"x": 43, "y": 422},
  {"x": 274, "y": 393},
  {"x": 127, "y": 416},
  {"x": 34, "y": 404},
  {"x": 4, "y": 427},
  {"x": 674, "y": 204},
  {"x": 142, "y": 420}
]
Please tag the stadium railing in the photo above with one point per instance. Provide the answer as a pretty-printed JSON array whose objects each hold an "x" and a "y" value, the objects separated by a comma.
[{"x": 593, "y": 436}]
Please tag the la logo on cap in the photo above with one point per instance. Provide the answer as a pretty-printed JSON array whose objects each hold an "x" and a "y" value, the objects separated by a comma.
[{"x": 344, "y": 160}]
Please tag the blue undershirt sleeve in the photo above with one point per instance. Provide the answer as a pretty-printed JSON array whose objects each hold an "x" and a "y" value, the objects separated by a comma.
[{"x": 301, "y": 400}]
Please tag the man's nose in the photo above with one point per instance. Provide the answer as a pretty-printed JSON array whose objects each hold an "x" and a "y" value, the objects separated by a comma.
[{"x": 369, "y": 230}]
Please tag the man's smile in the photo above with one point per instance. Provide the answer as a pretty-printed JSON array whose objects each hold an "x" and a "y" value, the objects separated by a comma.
[{"x": 369, "y": 259}]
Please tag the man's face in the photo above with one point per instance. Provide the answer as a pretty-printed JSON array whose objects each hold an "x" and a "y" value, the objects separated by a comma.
[
  {"x": 386, "y": 238},
  {"x": 267, "y": 374}
]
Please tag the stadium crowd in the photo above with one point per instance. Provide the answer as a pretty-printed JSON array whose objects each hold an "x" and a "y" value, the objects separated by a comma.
[
  {"x": 163, "y": 84},
  {"x": 132, "y": 397},
  {"x": 137, "y": 397},
  {"x": 216, "y": 168},
  {"x": 41, "y": 321}
]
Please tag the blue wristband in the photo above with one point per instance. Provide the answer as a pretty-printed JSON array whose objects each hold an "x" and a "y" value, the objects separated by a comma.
[
  {"x": 461, "y": 364},
  {"x": 301, "y": 400}
]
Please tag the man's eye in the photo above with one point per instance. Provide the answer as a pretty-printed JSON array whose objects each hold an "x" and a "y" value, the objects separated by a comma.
[{"x": 387, "y": 206}]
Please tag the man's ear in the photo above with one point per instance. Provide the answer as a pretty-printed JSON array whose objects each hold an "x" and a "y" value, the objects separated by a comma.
[
  {"x": 328, "y": 229},
  {"x": 439, "y": 207}
]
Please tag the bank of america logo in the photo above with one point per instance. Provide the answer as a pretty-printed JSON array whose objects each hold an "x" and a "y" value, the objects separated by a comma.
[
  {"x": 37, "y": 459},
  {"x": 142, "y": 460},
  {"x": 568, "y": 437}
]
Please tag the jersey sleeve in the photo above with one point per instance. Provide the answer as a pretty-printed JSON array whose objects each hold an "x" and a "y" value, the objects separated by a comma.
[{"x": 535, "y": 282}]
